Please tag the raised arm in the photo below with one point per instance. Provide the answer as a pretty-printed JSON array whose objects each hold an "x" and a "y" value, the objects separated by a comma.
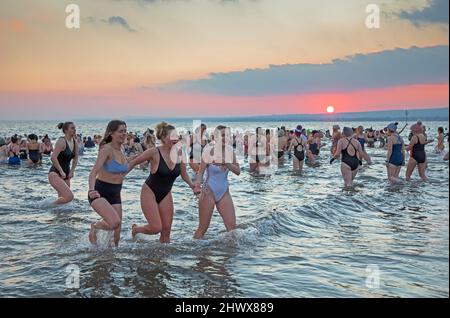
[
  {"x": 403, "y": 129},
  {"x": 147, "y": 155}
]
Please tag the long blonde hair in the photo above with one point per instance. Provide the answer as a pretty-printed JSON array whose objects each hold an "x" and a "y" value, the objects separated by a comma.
[{"x": 163, "y": 129}]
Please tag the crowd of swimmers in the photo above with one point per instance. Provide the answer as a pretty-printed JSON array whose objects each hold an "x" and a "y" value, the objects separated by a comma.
[{"x": 211, "y": 157}]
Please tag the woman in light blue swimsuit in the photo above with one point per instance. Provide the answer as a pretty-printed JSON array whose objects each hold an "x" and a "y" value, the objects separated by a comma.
[
  {"x": 215, "y": 191},
  {"x": 105, "y": 181}
]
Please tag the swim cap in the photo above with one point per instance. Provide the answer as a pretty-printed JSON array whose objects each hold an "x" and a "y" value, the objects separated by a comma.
[
  {"x": 298, "y": 130},
  {"x": 392, "y": 127},
  {"x": 416, "y": 128},
  {"x": 347, "y": 131}
]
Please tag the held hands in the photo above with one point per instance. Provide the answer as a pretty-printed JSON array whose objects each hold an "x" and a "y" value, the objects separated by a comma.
[
  {"x": 196, "y": 188},
  {"x": 93, "y": 194},
  {"x": 132, "y": 157},
  {"x": 62, "y": 174}
]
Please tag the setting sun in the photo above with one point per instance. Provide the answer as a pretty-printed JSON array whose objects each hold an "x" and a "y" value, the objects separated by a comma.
[{"x": 330, "y": 109}]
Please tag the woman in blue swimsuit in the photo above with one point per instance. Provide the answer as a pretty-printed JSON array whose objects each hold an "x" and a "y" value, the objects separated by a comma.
[
  {"x": 395, "y": 153},
  {"x": 105, "y": 181},
  {"x": 14, "y": 151},
  {"x": 215, "y": 191}
]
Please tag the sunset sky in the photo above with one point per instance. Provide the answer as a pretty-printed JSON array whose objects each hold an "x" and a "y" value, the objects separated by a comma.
[{"x": 220, "y": 57}]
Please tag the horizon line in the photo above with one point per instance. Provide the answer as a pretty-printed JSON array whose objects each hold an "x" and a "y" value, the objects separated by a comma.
[{"x": 323, "y": 115}]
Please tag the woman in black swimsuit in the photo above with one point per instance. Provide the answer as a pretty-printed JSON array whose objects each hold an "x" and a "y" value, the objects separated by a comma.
[
  {"x": 34, "y": 150},
  {"x": 300, "y": 148},
  {"x": 65, "y": 153},
  {"x": 350, "y": 150},
  {"x": 23, "y": 154},
  {"x": 418, "y": 156},
  {"x": 156, "y": 195},
  {"x": 314, "y": 143}
]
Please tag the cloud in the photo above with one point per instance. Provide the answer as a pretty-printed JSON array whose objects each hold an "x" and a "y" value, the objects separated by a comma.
[
  {"x": 117, "y": 20},
  {"x": 435, "y": 12},
  {"x": 376, "y": 70}
]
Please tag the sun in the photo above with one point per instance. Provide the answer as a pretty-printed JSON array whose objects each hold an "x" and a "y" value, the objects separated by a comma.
[{"x": 330, "y": 109}]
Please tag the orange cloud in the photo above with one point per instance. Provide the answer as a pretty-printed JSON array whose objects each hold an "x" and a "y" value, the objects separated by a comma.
[{"x": 14, "y": 25}]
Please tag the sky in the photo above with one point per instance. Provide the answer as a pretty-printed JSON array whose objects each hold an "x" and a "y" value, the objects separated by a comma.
[{"x": 208, "y": 58}]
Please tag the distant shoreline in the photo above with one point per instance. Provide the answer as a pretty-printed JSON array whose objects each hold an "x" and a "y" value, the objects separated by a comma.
[{"x": 432, "y": 114}]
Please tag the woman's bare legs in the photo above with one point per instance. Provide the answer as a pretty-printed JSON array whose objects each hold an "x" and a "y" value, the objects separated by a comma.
[
  {"x": 206, "y": 205},
  {"x": 226, "y": 210},
  {"x": 347, "y": 174},
  {"x": 151, "y": 213},
  {"x": 65, "y": 195},
  {"x": 111, "y": 219},
  {"x": 166, "y": 214}
]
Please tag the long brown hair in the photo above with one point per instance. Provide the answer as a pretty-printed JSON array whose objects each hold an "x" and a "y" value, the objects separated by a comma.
[{"x": 112, "y": 127}]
